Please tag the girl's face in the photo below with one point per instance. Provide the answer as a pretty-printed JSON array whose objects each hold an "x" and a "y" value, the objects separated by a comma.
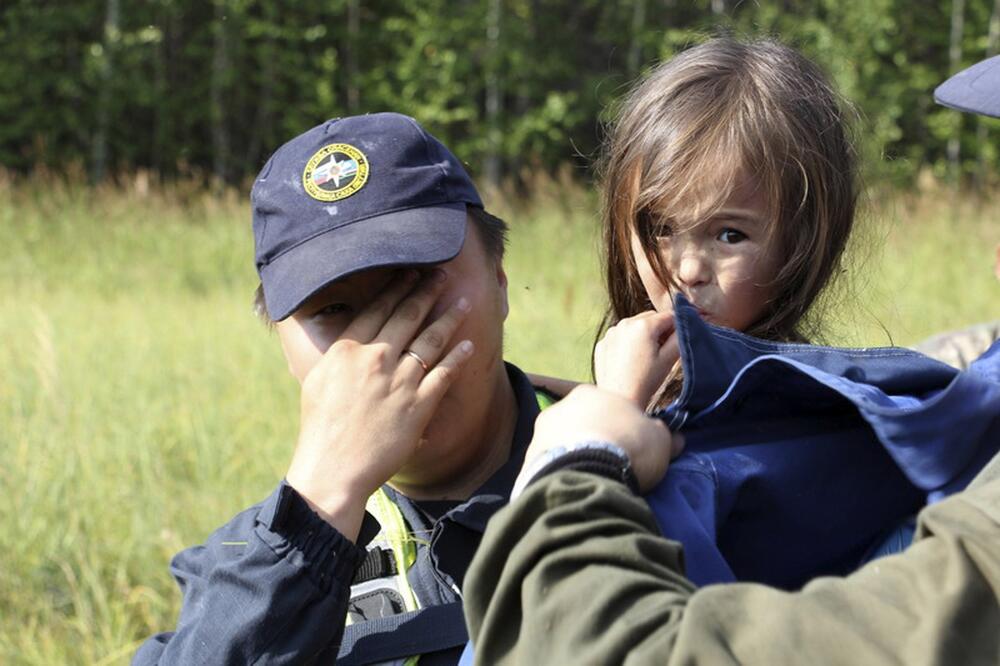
[{"x": 721, "y": 264}]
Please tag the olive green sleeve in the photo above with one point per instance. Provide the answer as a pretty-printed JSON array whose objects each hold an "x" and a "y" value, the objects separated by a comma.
[{"x": 576, "y": 572}]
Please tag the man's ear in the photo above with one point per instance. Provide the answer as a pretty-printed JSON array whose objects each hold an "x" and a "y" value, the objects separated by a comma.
[{"x": 502, "y": 283}]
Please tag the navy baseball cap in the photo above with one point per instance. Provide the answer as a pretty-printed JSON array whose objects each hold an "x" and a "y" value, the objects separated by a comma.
[
  {"x": 352, "y": 194},
  {"x": 976, "y": 89}
]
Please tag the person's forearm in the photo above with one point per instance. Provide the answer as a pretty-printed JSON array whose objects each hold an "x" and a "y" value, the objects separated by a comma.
[
  {"x": 272, "y": 586},
  {"x": 575, "y": 572}
]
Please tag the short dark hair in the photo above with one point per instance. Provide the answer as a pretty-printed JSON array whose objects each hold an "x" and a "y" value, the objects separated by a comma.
[{"x": 492, "y": 234}]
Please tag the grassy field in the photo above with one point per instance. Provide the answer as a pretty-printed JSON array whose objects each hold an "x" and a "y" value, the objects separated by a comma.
[{"x": 141, "y": 404}]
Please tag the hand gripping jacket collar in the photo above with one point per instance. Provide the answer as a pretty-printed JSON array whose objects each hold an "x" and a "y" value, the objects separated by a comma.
[{"x": 799, "y": 457}]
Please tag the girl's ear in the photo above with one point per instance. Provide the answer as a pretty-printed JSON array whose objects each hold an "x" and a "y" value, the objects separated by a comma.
[{"x": 502, "y": 285}]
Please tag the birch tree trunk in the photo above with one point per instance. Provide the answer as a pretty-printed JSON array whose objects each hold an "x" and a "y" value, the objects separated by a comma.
[
  {"x": 982, "y": 131},
  {"x": 353, "y": 33},
  {"x": 220, "y": 74},
  {"x": 112, "y": 34},
  {"x": 635, "y": 50},
  {"x": 160, "y": 133},
  {"x": 955, "y": 62},
  {"x": 522, "y": 101},
  {"x": 492, "y": 163},
  {"x": 718, "y": 7}
]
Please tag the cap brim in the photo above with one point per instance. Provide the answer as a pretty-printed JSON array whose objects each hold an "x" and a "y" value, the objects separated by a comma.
[
  {"x": 416, "y": 236},
  {"x": 975, "y": 89}
]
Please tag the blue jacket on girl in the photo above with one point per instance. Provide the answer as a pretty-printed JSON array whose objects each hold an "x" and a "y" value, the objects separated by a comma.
[{"x": 800, "y": 458}]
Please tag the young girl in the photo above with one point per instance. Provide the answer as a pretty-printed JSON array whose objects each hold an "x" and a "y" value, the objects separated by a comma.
[
  {"x": 788, "y": 475},
  {"x": 728, "y": 177},
  {"x": 729, "y": 187}
]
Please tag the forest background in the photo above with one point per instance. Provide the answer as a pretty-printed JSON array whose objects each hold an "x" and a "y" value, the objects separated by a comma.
[
  {"x": 196, "y": 87},
  {"x": 141, "y": 403}
]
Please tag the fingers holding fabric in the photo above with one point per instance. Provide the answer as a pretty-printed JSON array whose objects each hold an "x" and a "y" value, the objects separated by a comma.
[{"x": 636, "y": 354}]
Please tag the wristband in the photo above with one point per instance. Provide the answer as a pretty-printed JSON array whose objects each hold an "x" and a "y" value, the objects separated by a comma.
[{"x": 593, "y": 456}]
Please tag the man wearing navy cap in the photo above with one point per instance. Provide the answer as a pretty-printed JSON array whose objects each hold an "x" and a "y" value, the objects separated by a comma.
[
  {"x": 575, "y": 569},
  {"x": 382, "y": 275}
]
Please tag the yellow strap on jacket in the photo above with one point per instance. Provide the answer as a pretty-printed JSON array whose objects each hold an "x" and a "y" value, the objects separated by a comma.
[{"x": 396, "y": 536}]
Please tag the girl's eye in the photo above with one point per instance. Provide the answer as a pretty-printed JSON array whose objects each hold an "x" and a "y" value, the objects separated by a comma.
[
  {"x": 731, "y": 236},
  {"x": 654, "y": 225}
]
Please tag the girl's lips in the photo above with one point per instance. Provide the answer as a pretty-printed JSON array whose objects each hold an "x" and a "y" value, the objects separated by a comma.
[
  {"x": 701, "y": 311},
  {"x": 705, "y": 315}
]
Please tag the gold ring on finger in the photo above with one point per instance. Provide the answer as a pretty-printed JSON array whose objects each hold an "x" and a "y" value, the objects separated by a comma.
[{"x": 416, "y": 356}]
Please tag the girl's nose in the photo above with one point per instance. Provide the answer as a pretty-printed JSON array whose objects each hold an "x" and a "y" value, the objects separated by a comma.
[{"x": 691, "y": 266}]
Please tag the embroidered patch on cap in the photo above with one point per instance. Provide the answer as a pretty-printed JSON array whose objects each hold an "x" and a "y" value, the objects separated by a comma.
[{"x": 335, "y": 172}]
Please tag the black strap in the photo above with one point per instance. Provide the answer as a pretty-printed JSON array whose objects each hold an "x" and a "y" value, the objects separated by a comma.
[
  {"x": 379, "y": 563},
  {"x": 417, "y": 632}
]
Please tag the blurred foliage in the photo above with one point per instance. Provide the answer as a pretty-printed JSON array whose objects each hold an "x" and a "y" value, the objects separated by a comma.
[{"x": 195, "y": 88}]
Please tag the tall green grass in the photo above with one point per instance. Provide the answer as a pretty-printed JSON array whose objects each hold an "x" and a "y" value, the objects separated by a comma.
[{"x": 141, "y": 404}]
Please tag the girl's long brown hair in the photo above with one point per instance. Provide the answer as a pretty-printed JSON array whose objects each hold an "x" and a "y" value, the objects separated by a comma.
[{"x": 685, "y": 137}]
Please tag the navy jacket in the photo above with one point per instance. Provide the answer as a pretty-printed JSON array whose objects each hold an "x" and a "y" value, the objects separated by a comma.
[
  {"x": 799, "y": 458},
  {"x": 272, "y": 586}
]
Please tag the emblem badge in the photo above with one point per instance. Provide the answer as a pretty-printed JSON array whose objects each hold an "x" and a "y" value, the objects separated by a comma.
[{"x": 335, "y": 172}]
